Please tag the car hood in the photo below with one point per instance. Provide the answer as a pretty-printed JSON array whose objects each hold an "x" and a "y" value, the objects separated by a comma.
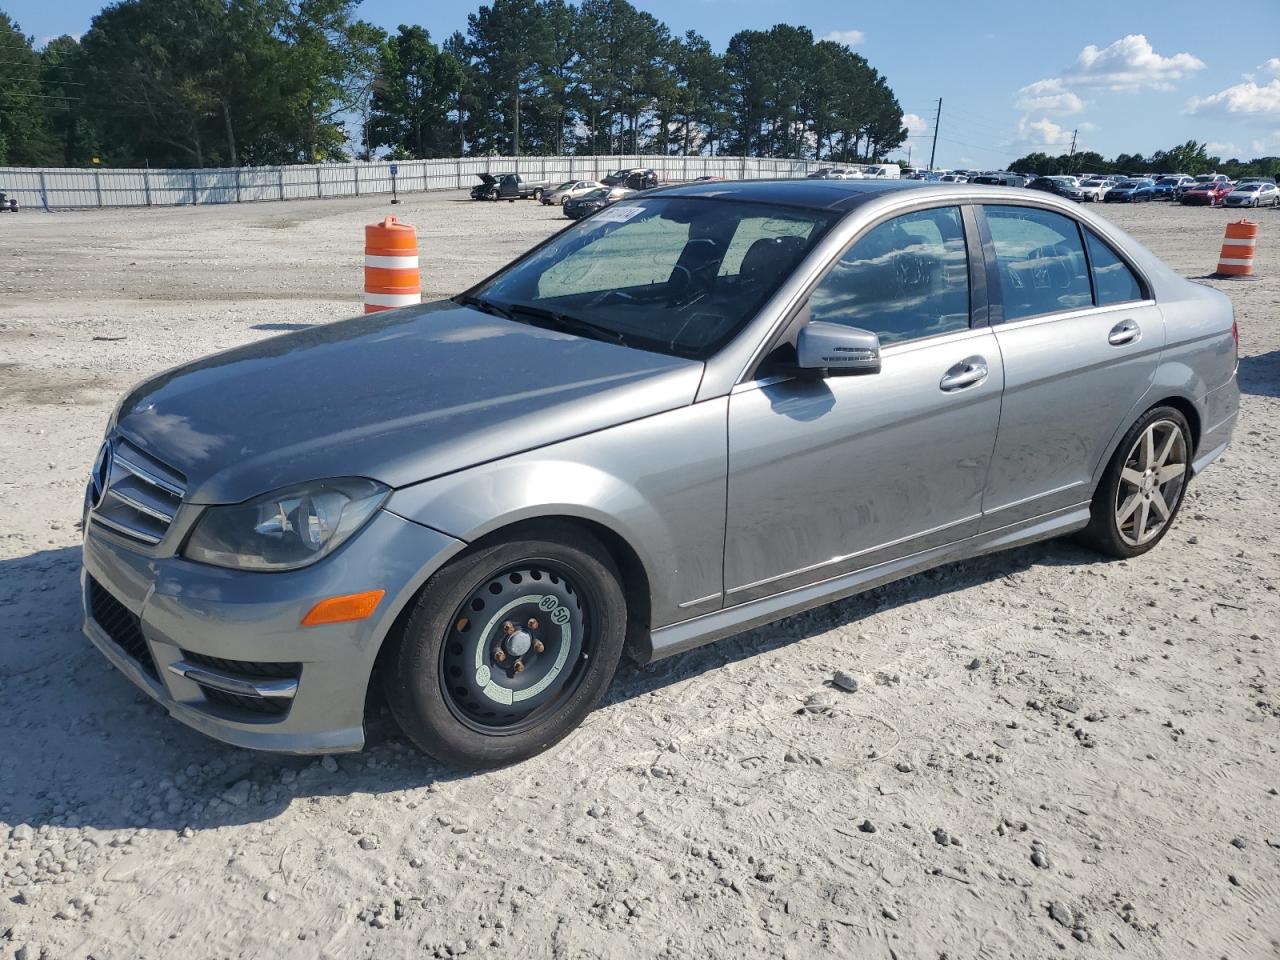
[
  {"x": 399, "y": 396},
  {"x": 487, "y": 178}
]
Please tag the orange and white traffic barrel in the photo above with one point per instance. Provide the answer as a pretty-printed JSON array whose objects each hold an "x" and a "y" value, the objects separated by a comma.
[
  {"x": 1236, "y": 259},
  {"x": 391, "y": 275}
]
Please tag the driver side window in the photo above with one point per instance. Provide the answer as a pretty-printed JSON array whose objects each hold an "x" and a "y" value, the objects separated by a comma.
[
  {"x": 1040, "y": 260},
  {"x": 904, "y": 279}
]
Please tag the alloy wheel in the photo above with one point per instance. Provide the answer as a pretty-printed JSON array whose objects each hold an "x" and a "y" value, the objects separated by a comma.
[
  {"x": 516, "y": 648},
  {"x": 1151, "y": 482}
]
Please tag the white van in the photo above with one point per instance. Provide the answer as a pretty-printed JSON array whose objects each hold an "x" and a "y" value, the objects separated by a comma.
[{"x": 882, "y": 171}]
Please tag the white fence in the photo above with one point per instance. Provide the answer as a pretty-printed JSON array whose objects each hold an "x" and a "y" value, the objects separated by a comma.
[{"x": 69, "y": 188}]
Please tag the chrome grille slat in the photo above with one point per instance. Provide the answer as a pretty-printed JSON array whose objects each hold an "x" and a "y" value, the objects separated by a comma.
[
  {"x": 128, "y": 531},
  {"x": 118, "y": 494},
  {"x": 141, "y": 496},
  {"x": 142, "y": 473}
]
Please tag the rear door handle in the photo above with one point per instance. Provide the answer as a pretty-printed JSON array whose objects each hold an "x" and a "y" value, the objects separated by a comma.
[
  {"x": 969, "y": 372},
  {"x": 1126, "y": 331}
]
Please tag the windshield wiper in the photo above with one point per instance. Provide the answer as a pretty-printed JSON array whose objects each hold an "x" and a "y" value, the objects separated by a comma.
[
  {"x": 487, "y": 306},
  {"x": 567, "y": 323}
]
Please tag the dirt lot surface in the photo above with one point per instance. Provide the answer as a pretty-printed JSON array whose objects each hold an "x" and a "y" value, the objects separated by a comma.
[{"x": 1047, "y": 754}]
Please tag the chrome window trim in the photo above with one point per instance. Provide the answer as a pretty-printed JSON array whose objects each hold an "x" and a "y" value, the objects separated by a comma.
[{"x": 1040, "y": 318}]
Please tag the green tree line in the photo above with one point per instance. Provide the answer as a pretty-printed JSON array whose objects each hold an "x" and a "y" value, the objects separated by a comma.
[
  {"x": 230, "y": 82},
  {"x": 1190, "y": 158}
]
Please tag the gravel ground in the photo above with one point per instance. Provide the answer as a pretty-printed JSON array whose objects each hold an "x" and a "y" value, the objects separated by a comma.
[{"x": 1044, "y": 754}]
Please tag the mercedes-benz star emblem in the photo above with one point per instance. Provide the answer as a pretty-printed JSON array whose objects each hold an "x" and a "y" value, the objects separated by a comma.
[{"x": 101, "y": 473}]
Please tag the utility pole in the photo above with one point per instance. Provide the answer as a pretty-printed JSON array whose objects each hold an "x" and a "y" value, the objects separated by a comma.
[
  {"x": 517, "y": 98},
  {"x": 1072, "y": 155},
  {"x": 936, "y": 117}
]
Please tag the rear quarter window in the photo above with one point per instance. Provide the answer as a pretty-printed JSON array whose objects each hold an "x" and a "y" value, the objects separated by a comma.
[{"x": 1112, "y": 278}]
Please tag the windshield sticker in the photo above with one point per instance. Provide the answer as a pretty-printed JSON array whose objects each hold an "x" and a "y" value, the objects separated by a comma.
[{"x": 618, "y": 213}]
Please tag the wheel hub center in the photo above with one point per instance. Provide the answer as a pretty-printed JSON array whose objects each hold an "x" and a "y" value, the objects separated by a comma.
[{"x": 518, "y": 643}]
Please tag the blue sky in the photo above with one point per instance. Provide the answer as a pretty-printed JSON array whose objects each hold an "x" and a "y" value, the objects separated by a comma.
[{"x": 1012, "y": 78}]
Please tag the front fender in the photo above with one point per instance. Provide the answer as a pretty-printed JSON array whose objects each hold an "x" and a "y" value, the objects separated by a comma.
[{"x": 657, "y": 483}]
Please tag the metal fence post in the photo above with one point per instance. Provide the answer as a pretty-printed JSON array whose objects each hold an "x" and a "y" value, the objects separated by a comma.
[
  {"x": 237, "y": 184},
  {"x": 357, "y": 172},
  {"x": 280, "y": 176},
  {"x": 146, "y": 186},
  {"x": 319, "y": 189},
  {"x": 194, "y": 199},
  {"x": 97, "y": 186}
]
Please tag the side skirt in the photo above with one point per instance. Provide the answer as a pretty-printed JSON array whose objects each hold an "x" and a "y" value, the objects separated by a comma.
[{"x": 687, "y": 634}]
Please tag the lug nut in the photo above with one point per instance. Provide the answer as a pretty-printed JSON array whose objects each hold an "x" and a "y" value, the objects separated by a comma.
[
  {"x": 519, "y": 666},
  {"x": 537, "y": 645},
  {"x": 500, "y": 655},
  {"x": 533, "y": 623}
]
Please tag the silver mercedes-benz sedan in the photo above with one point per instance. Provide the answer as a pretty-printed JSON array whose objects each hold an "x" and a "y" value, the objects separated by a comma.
[{"x": 699, "y": 410}]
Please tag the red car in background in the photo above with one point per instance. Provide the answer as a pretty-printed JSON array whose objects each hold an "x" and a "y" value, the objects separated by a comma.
[{"x": 1207, "y": 194}]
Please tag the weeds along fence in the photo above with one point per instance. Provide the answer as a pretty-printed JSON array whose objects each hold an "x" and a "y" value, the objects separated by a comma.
[{"x": 76, "y": 188}]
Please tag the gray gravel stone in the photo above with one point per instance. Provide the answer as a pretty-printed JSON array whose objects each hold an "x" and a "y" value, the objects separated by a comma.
[
  {"x": 1061, "y": 913},
  {"x": 22, "y": 832},
  {"x": 329, "y": 764},
  {"x": 845, "y": 681}
]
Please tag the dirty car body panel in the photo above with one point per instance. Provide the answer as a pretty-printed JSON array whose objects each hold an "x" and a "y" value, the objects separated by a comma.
[{"x": 732, "y": 487}]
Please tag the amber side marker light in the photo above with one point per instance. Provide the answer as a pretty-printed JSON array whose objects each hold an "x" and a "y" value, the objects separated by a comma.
[{"x": 352, "y": 606}]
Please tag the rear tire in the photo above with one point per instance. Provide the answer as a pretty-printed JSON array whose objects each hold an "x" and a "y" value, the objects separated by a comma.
[
  {"x": 1143, "y": 487},
  {"x": 537, "y": 194},
  {"x": 457, "y": 688}
]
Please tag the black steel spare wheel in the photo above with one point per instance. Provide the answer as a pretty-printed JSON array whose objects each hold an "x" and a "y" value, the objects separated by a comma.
[
  {"x": 508, "y": 647},
  {"x": 516, "y": 646}
]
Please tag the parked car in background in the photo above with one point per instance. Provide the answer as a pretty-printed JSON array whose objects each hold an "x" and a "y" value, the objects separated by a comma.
[
  {"x": 709, "y": 178},
  {"x": 1208, "y": 194},
  {"x": 697, "y": 412},
  {"x": 1166, "y": 187},
  {"x": 1094, "y": 189},
  {"x": 883, "y": 171},
  {"x": 8, "y": 204},
  {"x": 845, "y": 173},
  {"x": 575, "y": 208},
  {"x": 1253, "y": 195},
  {"x": 508, "y": 186},
  {"x": 570, "y": 188},
  {"x": 1131, "y": 191},
  {"x": 1001, "y": 179},
  {"x": 953, "y": 178},
  {"x": 1061, "y": 186},
  {"x": 822, "y": 173},
  {"x": 634, "y": 178},
  {"x": 1212, "y": 178}
]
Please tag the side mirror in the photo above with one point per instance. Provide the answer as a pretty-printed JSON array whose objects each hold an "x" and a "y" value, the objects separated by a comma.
[{"x": 834, "y": 350}]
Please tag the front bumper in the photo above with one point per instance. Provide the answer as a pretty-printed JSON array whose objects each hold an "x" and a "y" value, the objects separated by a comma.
[{"x": 164, "y": 612}]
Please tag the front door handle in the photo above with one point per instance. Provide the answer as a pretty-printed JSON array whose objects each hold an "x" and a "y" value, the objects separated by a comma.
[
  {"x": 969, "y": 372},
  {"x": 1126, "y": 331}
]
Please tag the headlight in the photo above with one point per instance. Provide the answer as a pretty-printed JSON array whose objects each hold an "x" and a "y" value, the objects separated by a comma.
[{"x": 286, "y": 529}]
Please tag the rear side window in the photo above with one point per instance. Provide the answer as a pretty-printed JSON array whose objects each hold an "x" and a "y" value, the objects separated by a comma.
[
  {"x": 1112, "y": 277},
  {"x": 904, "y": 279},
  {"x": 1040, "y": 260}
]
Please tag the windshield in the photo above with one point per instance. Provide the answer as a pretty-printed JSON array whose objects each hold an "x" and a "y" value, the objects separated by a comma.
[
  {"x": 1249, "y": 188},
  {"x": 1170, "y": 180},
  {"x": 677, "y": 275},
  {"x": 568, "y": 184}
]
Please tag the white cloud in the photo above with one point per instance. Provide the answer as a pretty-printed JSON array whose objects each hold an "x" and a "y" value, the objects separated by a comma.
[
  {"x": 1271, "y": 66},
  {"x": 850, "y": 38},
  {"x": 1048, "y": 96},
  {"x": 1042, "y": 134},
  {"x": 1130, "y": 63},
  {"x": 915, "y": 124},
  {"x": 1247, "y": 98},
  {"x": 1222, "y": 149}
]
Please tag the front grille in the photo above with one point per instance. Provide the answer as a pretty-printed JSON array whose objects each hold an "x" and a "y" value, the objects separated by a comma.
[
  {"x": 121, "y": 625},
  {"x": 141, "y": 495},
  {"x": 249, "y": 670}
]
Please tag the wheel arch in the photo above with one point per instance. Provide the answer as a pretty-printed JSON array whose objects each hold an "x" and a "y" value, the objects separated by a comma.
[{"x": 1180, "y": 402}]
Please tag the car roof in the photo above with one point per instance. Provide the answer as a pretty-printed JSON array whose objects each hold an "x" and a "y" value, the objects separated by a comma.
[{"x": 813, "y": 194}]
